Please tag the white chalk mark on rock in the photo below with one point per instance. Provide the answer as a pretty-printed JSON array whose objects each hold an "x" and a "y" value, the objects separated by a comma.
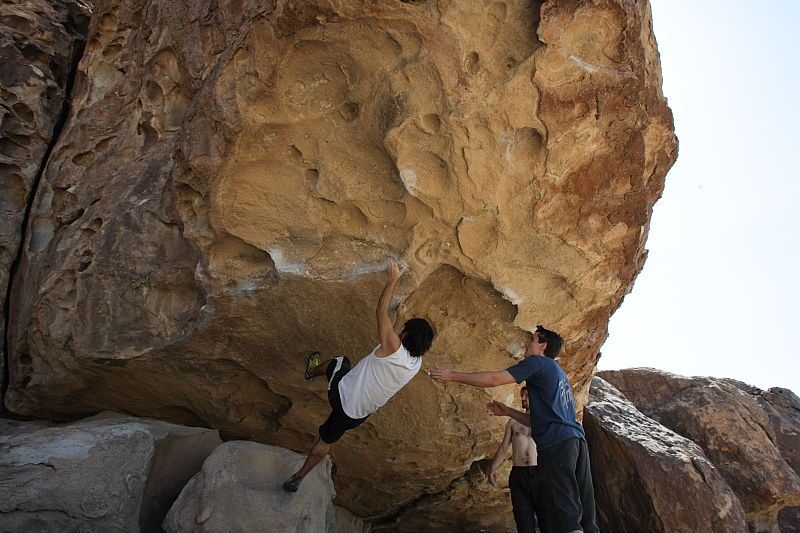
[{"x": 285, "y": 266}]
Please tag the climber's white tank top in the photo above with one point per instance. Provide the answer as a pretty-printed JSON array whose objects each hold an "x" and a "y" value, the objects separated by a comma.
[{"x": 374, "y": 380}]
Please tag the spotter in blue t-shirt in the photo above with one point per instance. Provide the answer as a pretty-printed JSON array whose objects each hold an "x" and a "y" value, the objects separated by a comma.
[{"x": 550, "y": 398}]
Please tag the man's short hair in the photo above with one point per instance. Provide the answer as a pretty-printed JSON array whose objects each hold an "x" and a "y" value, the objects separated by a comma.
[
  {"x": 553, "y": 340},
  {"x": 418, "y": 336},
  {"x": 523, "y": 389}
]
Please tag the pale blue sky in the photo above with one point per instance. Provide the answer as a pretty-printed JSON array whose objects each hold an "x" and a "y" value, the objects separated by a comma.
[{"x": 720, "y": 290}]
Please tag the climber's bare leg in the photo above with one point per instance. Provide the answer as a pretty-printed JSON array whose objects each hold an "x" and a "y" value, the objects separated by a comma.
[{"x": 317, "y": 454}]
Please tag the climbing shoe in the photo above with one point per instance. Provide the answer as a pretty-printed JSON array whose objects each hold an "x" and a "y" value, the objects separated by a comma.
[
  {"x": 311, "y": 363},
  {"x": 293, "y": 484}
]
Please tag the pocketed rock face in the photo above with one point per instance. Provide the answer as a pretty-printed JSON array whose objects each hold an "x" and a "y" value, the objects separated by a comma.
[
  {"x": 727, "y": 420},
  {"x": 110, "y": 473},
  {"x": 232, "y": 178},
  {"x": 39, "y": 44},
  {"x": 648, "y": 478}
]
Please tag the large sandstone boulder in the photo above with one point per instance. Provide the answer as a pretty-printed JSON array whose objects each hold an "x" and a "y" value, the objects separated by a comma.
[
  {"x": 726, "y": 419},
  {"x": 40, "y": 45},
  {"x": 233, "y": 174},
  {"x": 239, "y": 490},
  {"x": 649, "y": 478},
  {"x": 109, "y": 473}
]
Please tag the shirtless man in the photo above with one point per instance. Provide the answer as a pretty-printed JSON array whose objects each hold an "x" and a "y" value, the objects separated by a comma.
[{"x": 523, "y": 480}]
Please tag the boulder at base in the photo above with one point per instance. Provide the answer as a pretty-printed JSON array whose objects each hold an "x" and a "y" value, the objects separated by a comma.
[
  {"x": 649, "y": 478},
  {"x": 106, "y": 473},
  {"x": 744, "y": 431},
  {"x": 239, "y": 490}
]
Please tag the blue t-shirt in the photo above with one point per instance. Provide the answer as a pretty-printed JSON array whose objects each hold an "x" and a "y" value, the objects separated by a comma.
[{"x": 550, "y": 400}]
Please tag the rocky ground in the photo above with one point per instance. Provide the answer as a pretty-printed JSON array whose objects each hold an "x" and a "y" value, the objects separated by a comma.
[{"x": 120, "y": 473}]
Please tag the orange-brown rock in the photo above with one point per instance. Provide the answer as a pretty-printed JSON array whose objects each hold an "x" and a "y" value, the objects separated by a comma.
[
  {"x": 726, "y": 419},
  {"x": 649, "y": 478},
  {"x": 233, "y": 176},
  {"x": 40, "y": 43}
]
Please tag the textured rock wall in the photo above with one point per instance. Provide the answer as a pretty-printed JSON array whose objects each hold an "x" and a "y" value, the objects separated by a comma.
[
  {"x": 232, "y": 177},
  {"x": 648, "y": 478},
  {"x": 40, "y": 43},
  {"x": 751, "y": 436}
]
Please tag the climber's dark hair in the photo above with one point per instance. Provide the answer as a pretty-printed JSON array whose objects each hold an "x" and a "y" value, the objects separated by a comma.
[
  {"x": 553, "y": 340},
  {"x": 417, "y": 336}
]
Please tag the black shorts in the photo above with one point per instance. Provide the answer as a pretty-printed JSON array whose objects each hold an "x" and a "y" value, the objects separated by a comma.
[
  {"x": 338, "y": 422},
  {"x": 565, "y": 480}
]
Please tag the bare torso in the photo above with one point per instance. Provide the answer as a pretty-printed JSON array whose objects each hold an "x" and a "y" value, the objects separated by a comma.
[{"x": 523, "y": 449}]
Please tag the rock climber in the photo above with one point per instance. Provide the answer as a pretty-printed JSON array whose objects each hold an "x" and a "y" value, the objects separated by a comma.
[{"x": 356, "y": 393}]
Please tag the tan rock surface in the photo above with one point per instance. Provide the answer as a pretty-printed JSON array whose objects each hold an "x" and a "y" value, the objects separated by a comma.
[
  {"x": 724, "y": 417},
  {"x": 40, "y": 43},
  {"x": 232, "y": 178},
  {"x": 649, "y": 478}
]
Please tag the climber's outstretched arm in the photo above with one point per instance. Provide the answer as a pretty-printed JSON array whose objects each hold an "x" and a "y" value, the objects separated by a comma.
[{"x": 390, "y": 340}]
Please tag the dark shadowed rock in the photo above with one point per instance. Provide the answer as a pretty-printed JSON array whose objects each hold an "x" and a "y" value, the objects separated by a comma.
[
  {"x": 470, "y": 503},
  {"x": 346, "y": 522},
  {"x": 783, "y": 408},
  {"x": 789, "y": 520},
  {"x": 649, "y": 478},
  {"x": 40, "y": 44},
  {"x": 729, "y": 421}
]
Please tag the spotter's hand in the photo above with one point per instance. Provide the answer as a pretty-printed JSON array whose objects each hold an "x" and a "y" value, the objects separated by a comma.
[
  {"x": 493, "y": 476},
  {"x": 442, "y": 375},
  {"x": 496, "y": 408}
]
